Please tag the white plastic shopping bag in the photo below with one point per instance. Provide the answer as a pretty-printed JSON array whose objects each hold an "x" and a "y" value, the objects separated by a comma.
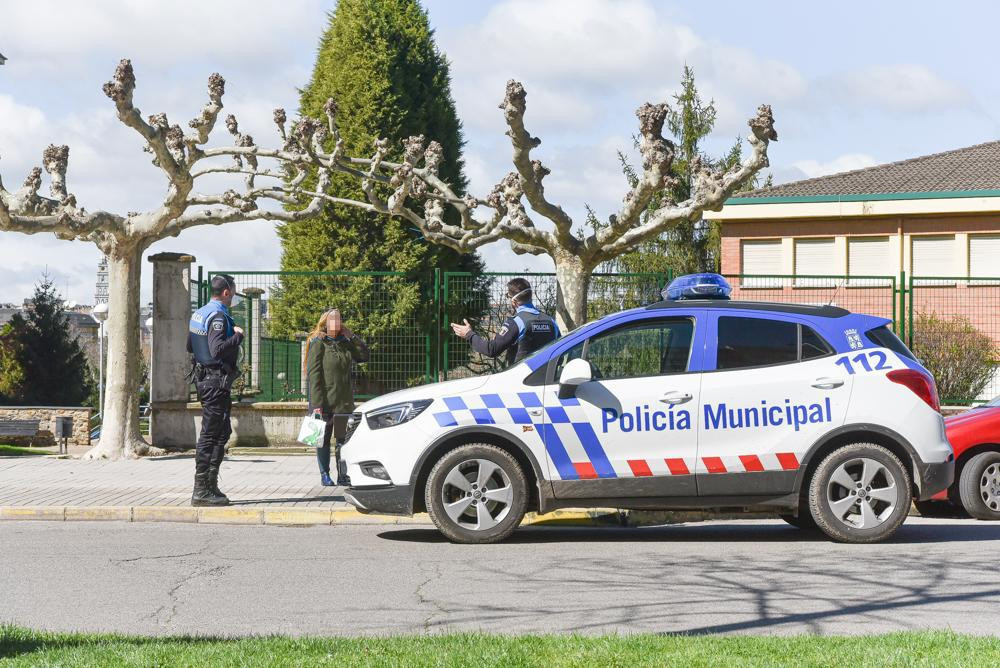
[{"x": 311, "y": 431}]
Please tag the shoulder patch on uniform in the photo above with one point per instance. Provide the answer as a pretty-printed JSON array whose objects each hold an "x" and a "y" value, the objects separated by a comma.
[
  {"x": 503, "y": 330},
  {"x": 217, "y": 326}
]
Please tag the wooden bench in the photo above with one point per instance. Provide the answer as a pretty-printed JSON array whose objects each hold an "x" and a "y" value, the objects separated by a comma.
[{"x": 23, "y": 428}]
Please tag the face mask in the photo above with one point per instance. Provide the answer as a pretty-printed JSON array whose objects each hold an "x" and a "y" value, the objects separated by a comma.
[{"x": 514, "y": 298}]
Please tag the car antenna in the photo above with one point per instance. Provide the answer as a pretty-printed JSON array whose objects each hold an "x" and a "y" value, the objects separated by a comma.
[{"x": 836, "y": 290}]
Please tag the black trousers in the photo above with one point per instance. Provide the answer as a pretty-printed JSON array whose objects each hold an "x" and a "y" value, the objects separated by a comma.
[
  {"x": 214, "y": 392},
  {"x": 336, "y": 429}
]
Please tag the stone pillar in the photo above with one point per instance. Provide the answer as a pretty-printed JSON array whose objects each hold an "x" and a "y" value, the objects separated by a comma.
[
  {"x": 303, "y": 339},
  {"x": 254, "y": 312},
  {"x": 169, "y": 386}
]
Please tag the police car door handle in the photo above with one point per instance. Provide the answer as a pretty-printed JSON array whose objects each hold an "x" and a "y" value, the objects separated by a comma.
[
  {"x": 827, "y": 383},
  {"x": 675, "y": 397},
  {"x": 535, "y": 412}
]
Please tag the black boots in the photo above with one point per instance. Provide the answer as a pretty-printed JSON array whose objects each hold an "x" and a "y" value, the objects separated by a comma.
[
  {"x": 213, "y": 483},
  {"x": 203, "y": 494}
]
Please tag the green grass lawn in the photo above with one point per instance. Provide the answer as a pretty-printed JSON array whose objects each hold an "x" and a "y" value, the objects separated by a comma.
[
  {"x": 22, "y": 647},
  {"x": 16, "y": 451}
]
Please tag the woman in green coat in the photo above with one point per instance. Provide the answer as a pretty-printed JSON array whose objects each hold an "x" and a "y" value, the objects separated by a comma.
[{"x": 332, "y": 352}]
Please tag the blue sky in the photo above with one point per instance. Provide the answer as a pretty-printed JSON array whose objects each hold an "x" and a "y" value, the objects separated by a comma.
[{"x": 852, "y": 84}]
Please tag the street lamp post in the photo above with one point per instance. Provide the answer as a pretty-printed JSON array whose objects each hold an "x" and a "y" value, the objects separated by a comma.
[{"x": 100, "y": 314}]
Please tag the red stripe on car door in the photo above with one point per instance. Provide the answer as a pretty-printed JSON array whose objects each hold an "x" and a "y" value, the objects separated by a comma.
[
  {"x": 788, "y": 460},
  {"x": 751, "y": 463},
  {"x": 714, "y": 464},
  {"x": 677, "y": 466},
  {"x": 639, "y": 467}
]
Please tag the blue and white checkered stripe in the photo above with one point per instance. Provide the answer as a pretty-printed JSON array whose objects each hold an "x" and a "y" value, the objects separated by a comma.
[{"x": 567, "y": 434}]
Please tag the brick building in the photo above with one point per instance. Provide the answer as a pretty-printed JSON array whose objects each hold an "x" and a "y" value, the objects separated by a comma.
[{"x": 936, "y": 218}]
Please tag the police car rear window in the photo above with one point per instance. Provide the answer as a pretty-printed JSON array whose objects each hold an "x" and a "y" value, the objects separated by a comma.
[
  {"x": 746, "y": 342},
  {"x": 752, "y": 342},
  {"x": 813, "y": 345},
  {"x": 884, "y": 337}
]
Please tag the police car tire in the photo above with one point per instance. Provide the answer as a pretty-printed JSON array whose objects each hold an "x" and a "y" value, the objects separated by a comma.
[
  {"x": 835, "y": 528},
  {"x": 969, "y": 486},
  {"x": 435, "y": 504}
]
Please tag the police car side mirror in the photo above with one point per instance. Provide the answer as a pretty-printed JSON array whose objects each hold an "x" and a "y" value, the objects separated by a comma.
[{"x": 575, "y": 373}]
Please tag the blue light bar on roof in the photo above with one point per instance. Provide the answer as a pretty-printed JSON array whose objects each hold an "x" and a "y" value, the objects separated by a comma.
[{"x": 697, "y": 286}]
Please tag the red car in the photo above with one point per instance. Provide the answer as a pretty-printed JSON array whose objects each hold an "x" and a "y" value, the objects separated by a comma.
[{"x": 975, "y": 436}]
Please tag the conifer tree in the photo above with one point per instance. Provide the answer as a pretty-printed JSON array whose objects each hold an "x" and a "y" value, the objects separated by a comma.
[
  {"x": 54, "y": 367},
  {"x": 378, "y": 60},
  {"x": 690, "y": 245},
  {"x": 11, "y": 371}
]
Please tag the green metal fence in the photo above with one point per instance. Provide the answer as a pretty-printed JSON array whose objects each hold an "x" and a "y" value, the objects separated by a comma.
[
  {"x": 278, "y": 310},
  {"x": 482, "y": 299},
  {"x": 875, "y": 295},
  {"x": 405, "y": 318},
  {"x": 953, "y": 324}
]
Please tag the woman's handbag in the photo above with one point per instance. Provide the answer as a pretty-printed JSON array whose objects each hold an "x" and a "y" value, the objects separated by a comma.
[{"x": 312, "y": 430}]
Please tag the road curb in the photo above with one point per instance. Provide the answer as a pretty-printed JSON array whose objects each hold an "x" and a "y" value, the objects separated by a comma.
[{"x": 275, "y": 516}]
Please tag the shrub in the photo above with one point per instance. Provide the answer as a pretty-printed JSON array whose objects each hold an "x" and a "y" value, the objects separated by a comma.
[{"x": 961, "y": 357}]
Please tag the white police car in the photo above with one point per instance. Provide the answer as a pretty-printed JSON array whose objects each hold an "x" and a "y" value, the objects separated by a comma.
[{"x": 819, "y": 414}]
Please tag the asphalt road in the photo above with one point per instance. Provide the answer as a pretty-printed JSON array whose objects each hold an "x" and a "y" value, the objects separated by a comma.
[{"x": 728, "y": 577}]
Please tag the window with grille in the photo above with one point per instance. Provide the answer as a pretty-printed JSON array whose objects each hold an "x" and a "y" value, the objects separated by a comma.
[
  {"x": 759, "y": 261},
  {"x": 984, "y": 256},
  {"x": 933, "y": 256},
  {"x": 815, "y": 257},
  {"x": 869, "y": 256}
]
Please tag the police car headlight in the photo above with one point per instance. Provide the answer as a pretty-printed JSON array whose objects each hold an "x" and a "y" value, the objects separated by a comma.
[{"x": 390, "y": 416}]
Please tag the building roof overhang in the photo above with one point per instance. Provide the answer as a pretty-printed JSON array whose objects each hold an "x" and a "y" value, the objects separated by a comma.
[{"x": 859, "y": 206}]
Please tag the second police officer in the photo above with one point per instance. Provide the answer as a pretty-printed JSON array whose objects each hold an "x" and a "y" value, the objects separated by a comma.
[
  {"x": 521, "y": 334},
  {"x": 214, "y": 342}
]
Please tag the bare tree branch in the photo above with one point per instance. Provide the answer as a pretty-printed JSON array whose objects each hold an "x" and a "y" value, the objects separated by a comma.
[
  {"x": 531, "y": 172},
  {"x": 710, "y": 189},
  {"x": 657, "y": 158}
]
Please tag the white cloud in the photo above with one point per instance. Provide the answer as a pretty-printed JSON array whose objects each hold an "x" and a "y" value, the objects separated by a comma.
[
  {"x": 50, "y": 35},
  {"x": 61, "y": 53},
  {"x": 844, "y": 163},
  {"x": 595, "y": 42},
  {"x": 19, "y": 125},
  {"x": 587, "y": 64},
  {"x": 901, "y": 88}
]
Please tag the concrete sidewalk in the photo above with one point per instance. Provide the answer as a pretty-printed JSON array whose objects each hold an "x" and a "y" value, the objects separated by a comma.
[
  {"x": 162, "y": 481},
  {"x": 264, "y": 489}
]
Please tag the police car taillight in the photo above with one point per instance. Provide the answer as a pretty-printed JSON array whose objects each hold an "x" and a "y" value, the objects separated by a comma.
[
  {"x": 921, "y": 385},
  {"x": 697, "y": 286}
]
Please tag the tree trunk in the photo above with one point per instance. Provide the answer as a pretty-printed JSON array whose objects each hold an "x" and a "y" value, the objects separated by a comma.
[
  {"x": 120, "y": 437},
  {"x": 573, "y": 280}
]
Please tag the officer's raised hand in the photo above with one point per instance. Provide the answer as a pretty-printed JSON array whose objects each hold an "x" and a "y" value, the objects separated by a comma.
[
  {"x": 462, "y": 330},
  {"x": 238, "y": 330}
]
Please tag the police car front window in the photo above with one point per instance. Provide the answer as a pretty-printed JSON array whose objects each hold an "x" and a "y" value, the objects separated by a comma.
[
  {"x": 649, "y": 349},
  {"x": 749, "y": 342}
]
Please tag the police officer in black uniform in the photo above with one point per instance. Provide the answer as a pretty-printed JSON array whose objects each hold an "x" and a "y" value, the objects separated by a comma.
[
  {"x": 214, "y": 342},
  {"x": 522, "y": 334}
]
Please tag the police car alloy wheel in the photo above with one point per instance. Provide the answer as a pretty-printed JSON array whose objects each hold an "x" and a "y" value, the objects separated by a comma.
[
  {"x": 979, "y": 486},
  {"x": 476, "y": 493},
  {"x": 860, "y": 493}
]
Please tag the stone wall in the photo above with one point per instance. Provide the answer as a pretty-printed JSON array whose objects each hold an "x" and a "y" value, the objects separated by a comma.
[
  {"x": 46, "y": 426},
  {"x": 261, "y": 423}
]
